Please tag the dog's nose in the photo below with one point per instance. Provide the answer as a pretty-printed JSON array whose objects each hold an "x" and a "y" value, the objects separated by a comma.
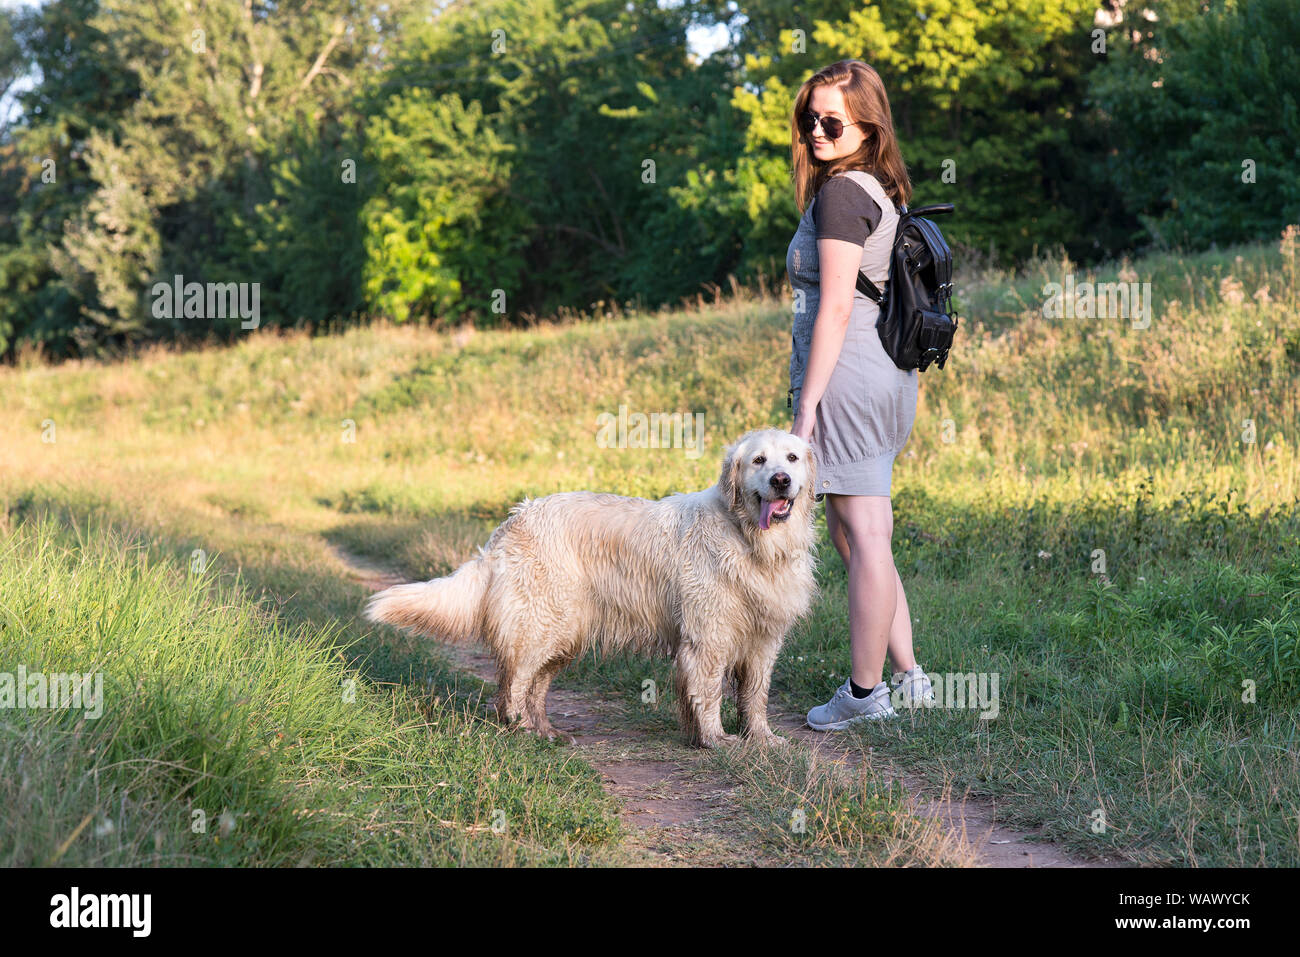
[{"x": 780, "y": 481}]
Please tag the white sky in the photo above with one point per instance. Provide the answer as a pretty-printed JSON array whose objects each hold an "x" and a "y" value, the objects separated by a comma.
[{"x": 702, "y": 41}]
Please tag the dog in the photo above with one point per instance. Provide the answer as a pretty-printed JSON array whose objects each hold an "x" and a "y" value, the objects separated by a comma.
[{"x": 714, "y": 578}]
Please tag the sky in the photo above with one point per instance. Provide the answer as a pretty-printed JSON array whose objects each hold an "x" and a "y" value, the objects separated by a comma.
[{"x": 701, "y": 41}]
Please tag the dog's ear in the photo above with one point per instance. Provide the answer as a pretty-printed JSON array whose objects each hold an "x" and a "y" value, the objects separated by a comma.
[
  {"x": 729, "y": 481},
  {"x": 810, "y": 487}
]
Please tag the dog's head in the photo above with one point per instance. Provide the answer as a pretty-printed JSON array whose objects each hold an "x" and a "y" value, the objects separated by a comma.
[{"x": 768, "y": 478}]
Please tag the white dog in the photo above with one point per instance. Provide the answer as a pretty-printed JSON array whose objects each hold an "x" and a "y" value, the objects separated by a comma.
[{"x": 715, "y": 578}]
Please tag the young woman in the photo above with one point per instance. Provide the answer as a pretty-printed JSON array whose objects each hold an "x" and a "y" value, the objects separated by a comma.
[{"x": 849, "y": 399}]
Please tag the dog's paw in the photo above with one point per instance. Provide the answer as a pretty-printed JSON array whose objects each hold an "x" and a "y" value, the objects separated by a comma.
[
  {"x": 547, "y": 733},
  {"x": 552, "y": 733},
  {"x": 770, "y": 740},
  {"x": 719, "y": 740}
]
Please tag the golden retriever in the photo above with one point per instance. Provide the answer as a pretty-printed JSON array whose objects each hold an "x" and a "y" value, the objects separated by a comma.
[{"x": 714, "y": 578}]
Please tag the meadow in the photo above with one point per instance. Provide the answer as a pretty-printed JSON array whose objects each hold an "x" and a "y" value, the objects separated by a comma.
[{"x": 1102, "y": 515}]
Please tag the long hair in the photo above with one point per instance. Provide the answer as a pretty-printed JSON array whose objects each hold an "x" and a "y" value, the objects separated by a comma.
[{"x": 865, "y": 101}]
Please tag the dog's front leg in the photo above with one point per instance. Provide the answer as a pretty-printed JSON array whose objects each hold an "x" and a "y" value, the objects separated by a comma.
[
  {"x": 753, "y": 682},
  {"x": 698, "y": 682}
]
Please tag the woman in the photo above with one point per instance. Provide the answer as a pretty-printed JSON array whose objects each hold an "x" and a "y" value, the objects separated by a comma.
[{"x": 849, "y": 399}]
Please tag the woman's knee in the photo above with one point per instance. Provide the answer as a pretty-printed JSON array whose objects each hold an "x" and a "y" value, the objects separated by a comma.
[{"x": 866, "y": 523}]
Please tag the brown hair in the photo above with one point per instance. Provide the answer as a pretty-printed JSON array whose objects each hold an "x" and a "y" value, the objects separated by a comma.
[{"x": 865, "y": 101}]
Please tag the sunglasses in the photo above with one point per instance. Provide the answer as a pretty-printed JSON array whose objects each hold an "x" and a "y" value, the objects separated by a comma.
[{"x": 832, "y": 127}]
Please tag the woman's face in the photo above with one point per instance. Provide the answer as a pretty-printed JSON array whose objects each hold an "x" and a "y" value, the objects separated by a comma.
[{"x": 829, "y": 101}]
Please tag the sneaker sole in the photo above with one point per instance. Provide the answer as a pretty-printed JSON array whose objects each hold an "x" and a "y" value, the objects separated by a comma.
[{"x": 841, "y": 725}]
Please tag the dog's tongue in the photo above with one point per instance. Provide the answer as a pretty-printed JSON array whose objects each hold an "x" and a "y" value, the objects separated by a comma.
[{"x": 765, "y": 520}]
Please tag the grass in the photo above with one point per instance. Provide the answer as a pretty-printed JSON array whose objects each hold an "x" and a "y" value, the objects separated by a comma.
[
  {"x": 811, "y": 811},
  {"x": 229, "y": 737},
  {"x": 1103, "y": 515}
]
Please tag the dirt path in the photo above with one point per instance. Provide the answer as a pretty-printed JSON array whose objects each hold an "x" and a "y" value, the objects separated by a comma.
[
  {"x": 680, "y": 809},
  {"x": 974, "y": 820}
]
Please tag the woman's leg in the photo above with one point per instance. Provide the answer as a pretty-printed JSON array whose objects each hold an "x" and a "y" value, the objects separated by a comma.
[
  {"x": 836, "y": 531},
  {"x": 867, "y": 523},
  {"x": 901, "y": 653},
  {"x": 861, "y": 528},
  {"x": 900, "y": 632}
]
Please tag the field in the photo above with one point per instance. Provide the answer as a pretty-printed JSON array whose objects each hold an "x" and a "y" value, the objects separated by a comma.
[{"x": 1102, "y": 515}]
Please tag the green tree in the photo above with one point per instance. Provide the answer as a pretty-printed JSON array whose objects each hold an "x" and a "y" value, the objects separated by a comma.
[
  {"x": 1202, "y": 123},
  {"x": 202, "y": 140},
  {"x": 81, "y": 88},
  {"x": 532, "y": 148}
]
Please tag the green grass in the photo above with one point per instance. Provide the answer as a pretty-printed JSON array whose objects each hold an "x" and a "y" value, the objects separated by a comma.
[
  {"x": 1103, "y": 515},
  {"x": 1126, "y": 698},
  {"x": 229, "y": 737}
]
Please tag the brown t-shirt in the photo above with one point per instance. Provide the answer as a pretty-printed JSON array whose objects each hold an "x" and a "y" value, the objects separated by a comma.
[{"x": 844, "y": 210}]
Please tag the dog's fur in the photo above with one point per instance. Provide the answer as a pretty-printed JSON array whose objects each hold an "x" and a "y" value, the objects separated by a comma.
[{"x": 693, "y": 575}]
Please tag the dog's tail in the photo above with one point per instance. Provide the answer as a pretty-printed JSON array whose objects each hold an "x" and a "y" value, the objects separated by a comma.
[{"x": 449, "y": 609}]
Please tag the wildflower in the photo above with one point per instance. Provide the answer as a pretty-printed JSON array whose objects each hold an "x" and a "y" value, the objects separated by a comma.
[
  {"x": 1288, "y": 244},
  {"x": 1230, "y": 291}
]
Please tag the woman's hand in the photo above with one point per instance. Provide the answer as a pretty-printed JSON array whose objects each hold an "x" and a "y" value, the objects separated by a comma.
[{"x": 803, "y": 423}]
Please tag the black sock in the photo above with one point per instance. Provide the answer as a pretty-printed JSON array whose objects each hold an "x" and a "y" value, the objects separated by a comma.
[{"x": 858, "y": 692}]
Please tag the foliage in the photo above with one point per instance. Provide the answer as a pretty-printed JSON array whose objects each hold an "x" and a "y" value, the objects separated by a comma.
[
  {"x": 1204, "y": 123},
  {"x": 496, "y": 161}
]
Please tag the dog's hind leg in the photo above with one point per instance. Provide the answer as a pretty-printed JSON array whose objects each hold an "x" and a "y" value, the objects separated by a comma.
[
  {"x": 526, "y": 678},
  {"x": 510, "y": 631},
  {"x": 512, "y": 694},
  {"x": 535, "y": 716}
]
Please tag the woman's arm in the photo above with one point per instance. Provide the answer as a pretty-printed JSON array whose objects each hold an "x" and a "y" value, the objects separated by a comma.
[{"x": 838, "y": 261}]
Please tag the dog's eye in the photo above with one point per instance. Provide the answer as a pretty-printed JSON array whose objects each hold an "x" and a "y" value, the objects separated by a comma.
[
  {"x": 760, "y": 459},
  {"x": 792, "y": 457}
]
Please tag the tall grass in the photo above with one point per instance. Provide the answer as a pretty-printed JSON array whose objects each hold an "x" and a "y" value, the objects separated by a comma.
[{"x": 227, "y": 737}]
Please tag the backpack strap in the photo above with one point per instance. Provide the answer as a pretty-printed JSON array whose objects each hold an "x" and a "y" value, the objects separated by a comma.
[
  {"x": 868, "y": 289},
  {"x": 865, "y": 285},
  {"x": 939, "y": 249}
]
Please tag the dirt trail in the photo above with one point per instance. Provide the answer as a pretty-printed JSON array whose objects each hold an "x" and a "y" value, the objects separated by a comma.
[
  {"x": 973, "y": 819},
  {"x": 677, "y": 807}
]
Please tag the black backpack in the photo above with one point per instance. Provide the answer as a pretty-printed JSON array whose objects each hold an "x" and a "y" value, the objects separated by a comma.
[{"x": 916, "y": 323}]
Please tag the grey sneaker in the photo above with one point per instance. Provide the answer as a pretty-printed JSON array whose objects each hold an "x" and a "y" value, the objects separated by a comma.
[
  {"x": 911, "y": 688},
  {"x": 843, "y": 709}
]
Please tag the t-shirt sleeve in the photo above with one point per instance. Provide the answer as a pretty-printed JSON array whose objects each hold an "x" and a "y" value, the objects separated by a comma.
[{"x": 844, "y": 210}]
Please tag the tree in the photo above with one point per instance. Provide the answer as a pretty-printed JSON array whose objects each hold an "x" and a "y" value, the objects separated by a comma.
[
  {"x": 547, "y": 136},
  {"x": 80, "y": 88},
  {"x": 205, "y": 141},
  {"x": 1202, "y": 123}
]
